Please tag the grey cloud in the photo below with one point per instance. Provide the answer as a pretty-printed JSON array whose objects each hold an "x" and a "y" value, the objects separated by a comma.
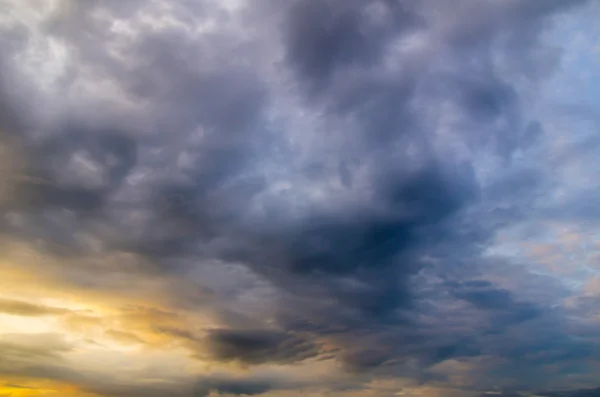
[
  {"x": 28, "y": 309},
  {"x": 257, "y": 346},
  {"x": 232, "y": 387},
  {"x": 179, "y": 178},
  {"x": 499, "y": 302},
  {"x": 247, "y": 346},
  {"x": 31, "y": 347},
  {"x": 575, "y": 393},
  {"x": 185, "y": 388},
  {"x": 562, "y": 393},
  {"x": 36, "y": 355},
  {"x": 325, "y": 36}
]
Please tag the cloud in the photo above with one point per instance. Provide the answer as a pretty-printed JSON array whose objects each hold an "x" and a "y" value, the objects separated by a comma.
[
  {"x": 31, "y": 346},
  {"x": 232, "y": 387},
  {"x": 27, "y": 309},
  {"x": 257, "y": 346},
  {"x": 498, "y": 302},
  {"x": 272, "y": 184},
  {"x": 35, "y": 355}
]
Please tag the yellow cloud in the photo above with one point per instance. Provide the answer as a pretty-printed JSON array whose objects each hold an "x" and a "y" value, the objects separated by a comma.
[
  {"x": 112, "y": 310},
  {"x": 109, "y": 311},
  {"x": 21, "y": 308},
  {"x": 23, "y": 387}
]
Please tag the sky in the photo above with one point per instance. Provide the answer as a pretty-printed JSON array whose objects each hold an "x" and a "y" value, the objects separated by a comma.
[{"x": 341, "y": 198}]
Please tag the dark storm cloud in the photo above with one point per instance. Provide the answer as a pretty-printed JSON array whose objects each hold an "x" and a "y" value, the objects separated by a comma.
[
  {"x": 181, "y": 178},
  {"x": 247, "y": 346},
  {"x": 369, "y": 238},
  {"x": 496, "y": 301},
  {"x": 325, "y": 36},
  {"x": 257, "y": 346},
  {"x": 573, "y": 393},
  {"x": 233, "y": 387}
]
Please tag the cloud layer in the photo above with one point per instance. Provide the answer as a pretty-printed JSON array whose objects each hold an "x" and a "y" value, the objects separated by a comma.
[{"x": 312, "y": 196}]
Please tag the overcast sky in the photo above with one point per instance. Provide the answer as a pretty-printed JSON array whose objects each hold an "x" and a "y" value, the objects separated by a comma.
[{"x": 278, "y": 198}]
